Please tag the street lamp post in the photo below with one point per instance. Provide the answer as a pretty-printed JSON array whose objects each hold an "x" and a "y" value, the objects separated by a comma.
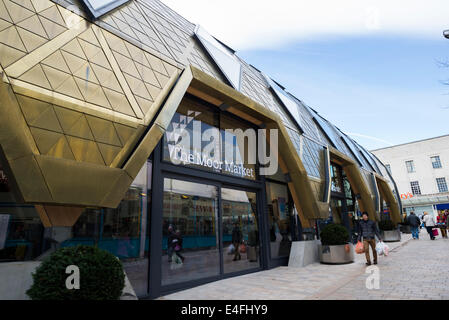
[{"x": 446, "y": 34}]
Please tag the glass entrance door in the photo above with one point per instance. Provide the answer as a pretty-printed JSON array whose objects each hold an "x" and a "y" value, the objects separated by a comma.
[
  {"x": 190, "y": 247},
  {"x": 208, "y": 231},
  {"x": 240, "y": 230}
]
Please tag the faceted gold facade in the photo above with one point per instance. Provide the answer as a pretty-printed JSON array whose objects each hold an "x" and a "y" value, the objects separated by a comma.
[
  {"x": 84, "y": 104},
  {"x": 77, "y": 99}
]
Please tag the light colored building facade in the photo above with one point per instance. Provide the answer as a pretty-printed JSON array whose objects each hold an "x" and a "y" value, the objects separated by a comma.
[{"x": 421, "y": 172}]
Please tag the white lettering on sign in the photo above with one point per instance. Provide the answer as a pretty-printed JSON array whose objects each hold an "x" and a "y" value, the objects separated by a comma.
[{"x": 183, "y": 151}]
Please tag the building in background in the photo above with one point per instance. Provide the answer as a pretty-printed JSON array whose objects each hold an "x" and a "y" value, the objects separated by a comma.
[
  {"x": 92, "y": 94},
  {"x": 421, "y": 172}
]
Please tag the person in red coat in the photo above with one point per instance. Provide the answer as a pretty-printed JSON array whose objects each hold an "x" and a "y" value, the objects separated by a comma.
[{"x": 441, "y": 223}]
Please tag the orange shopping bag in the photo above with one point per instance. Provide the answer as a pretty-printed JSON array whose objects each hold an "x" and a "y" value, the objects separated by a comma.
[{"x": 359, "y": 248}]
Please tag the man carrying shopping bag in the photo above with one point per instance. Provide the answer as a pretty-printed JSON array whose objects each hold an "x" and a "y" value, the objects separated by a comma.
[{"x": 367, "y": 232}]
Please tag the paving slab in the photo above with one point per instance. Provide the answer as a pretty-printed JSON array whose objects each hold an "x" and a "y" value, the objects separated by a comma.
[{"x": 414, "y": 269}]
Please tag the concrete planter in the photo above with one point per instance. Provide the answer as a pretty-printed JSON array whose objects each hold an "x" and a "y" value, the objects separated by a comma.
[
  {"x": 390, "y": 235},
  {"x": 303, "y": 253},
  {"x": 340, "y": 254}
]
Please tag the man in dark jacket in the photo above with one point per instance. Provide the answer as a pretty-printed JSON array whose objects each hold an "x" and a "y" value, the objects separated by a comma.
[
  {"x": 367, "y": 231},
  {"x": 414, "y": 223}
]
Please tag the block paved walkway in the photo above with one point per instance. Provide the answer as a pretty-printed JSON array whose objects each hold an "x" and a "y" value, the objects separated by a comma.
[{"x": 414, "y": 269}]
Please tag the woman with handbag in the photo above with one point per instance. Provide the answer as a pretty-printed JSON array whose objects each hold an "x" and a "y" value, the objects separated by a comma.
[{"x": 430, "y": 224}]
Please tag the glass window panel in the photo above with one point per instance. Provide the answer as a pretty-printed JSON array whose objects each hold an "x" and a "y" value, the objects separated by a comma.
[
  {"x": 410, "y": 166},
  {"x": 189, "y": 231},
  {"x": 312, "y": 157},
  {"x": 241, "y": 229},
  {"x": 291, "y": 105},
  {"x": 100, "y": 7},
  {"x": 198, "y": 136},
  {"x": 436, "y": 163},
  {"x": 239, "y": 160},
  {"x": 442, "y": 185},
  {"x": 223, "y": 57},
  {"x": 280, "y": 219},
  {"x": 415, "y": 187}
]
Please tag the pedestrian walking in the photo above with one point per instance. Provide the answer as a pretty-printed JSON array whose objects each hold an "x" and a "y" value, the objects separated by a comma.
[
  {"x": 414, "y": 223},
  {"x": 237, "y": 238},
  {"x": 430, "y": 224},
  {"x": 367, "y": 232},
  {"x": 441, "y": 223}
]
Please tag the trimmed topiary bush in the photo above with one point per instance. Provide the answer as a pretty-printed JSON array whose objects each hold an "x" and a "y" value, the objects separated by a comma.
[
  {"x": 387, "y": 225},
  {"x": 101, "y": 275},
  {"x": 334, "y": 235}
]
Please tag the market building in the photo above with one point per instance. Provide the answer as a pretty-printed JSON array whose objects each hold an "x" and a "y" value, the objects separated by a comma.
[
  {"x": 421, "y": 171},
  {"x": 121, "y": 119}
]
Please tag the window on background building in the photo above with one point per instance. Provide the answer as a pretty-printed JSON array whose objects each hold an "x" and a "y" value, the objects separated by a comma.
[
  {"x": 388, "y": 168},
  {"x": 415, "y": 187},
  {"x": 410, "y": 166},
  {"x": 442, "y": 185},
  {"x": 436, "y": 163}
]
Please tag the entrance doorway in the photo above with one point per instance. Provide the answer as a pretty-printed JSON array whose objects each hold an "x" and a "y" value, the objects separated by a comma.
[
  {"x": 344, "y": 207},
  {"x": 209, "y": 230}
]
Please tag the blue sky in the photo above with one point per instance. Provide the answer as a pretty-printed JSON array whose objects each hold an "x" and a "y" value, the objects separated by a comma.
[
  {"x": 369, "y": 66},
  {"x": 387, "y": 88}
]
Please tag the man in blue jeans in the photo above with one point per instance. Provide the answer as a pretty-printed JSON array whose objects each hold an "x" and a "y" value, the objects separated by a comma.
[{"x": 414, "y": 223}]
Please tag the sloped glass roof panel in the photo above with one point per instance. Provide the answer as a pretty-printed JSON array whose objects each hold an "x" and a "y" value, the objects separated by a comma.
[
  {"x": 98, "y": 8},
  {"x": 355, "y": 151},
  {"x": 290, "y": 104},
  {"x": 222, "y": 56},
  {"x": 370, "y": 158}
]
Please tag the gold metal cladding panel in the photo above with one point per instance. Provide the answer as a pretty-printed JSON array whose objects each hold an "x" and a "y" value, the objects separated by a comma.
[
  {"x": 30, "y": 180},
  {"x": 77, "y": 183},
  {"x": 58, "y": 216},
  {"x": 388, "y": 196},
  {"x": 15, "y": 137},
  {"x": 156, "y": 132}
]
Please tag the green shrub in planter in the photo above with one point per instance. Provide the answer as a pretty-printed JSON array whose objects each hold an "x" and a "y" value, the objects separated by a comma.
[
  {"x": 334, "y": 234},
  {"x": 101, "y": 275},
  {"x": 386, "y": 225}
]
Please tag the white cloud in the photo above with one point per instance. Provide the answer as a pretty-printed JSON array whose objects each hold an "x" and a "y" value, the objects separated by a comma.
[{"x": 255, "y": 24}]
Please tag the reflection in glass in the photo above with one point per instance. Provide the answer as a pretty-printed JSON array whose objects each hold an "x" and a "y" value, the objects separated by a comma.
[
  {"x": 336, "y": 179},
  {"x": 336, "y": 209},
  {"x": 20, "y": 227},
  {"x": 122, "y": 231},
  {"x": 280, "y": 219},
  {"x": 240, "y": 230},
  {"x": 201, "y": 137},
  {"x": 189, "y": 246}
]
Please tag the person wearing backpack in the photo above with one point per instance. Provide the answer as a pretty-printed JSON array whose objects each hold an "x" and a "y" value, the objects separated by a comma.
[
  {"x": 414, "y": 223},
  {"x": 367, "y": 231}
]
